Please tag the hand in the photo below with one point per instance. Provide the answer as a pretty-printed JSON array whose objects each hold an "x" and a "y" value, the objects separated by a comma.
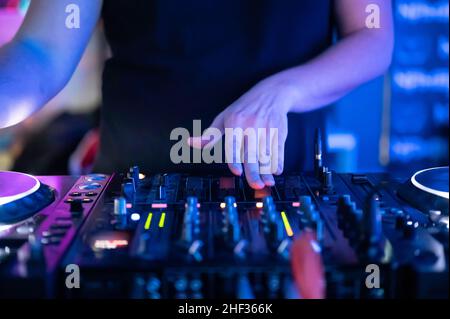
[{"x": 261, "y": 110}]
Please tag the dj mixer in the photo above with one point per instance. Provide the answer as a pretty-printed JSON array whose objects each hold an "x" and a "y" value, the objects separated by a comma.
[{"x": 312, "y": 235}]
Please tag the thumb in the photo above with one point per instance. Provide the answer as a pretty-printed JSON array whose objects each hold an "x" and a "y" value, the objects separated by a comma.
[{"x": 209, "y": 136}]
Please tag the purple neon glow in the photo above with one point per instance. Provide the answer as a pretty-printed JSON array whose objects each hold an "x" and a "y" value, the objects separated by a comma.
[
  {"x": 14, "y": 186},
  {"x": 10, "y": 21}
]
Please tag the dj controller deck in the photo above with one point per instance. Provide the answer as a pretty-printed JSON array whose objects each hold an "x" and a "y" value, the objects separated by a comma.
[{"x": 317, "y": 234}]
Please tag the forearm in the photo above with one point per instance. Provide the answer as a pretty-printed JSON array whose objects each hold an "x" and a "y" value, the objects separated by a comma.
[
  {"x": 40, "y": 60},
  {"x": 25, "y": 81},
  {"x": 353, "y": 61}
]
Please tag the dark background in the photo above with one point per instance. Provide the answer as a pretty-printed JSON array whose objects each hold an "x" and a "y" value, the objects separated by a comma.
[{"x": 398, "y": 122}]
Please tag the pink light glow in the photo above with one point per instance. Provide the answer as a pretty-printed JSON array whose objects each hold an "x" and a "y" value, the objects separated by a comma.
[
  {"x": 10, "y": 21},
  {"x": 159, "y": 205}
]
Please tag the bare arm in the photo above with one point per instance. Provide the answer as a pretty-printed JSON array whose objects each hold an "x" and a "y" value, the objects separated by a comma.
[
  {"x": 41, "y": 58},
  {"x": 361, "y": 55}
]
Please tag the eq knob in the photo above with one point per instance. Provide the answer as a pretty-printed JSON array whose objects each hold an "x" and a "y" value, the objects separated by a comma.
[
  {"x": 121, "y": 212},
  {"x": 313, "y": 218},
  {"x": 134, "y": 174},
  {"x": 128, "y": 189},
  {"x": 327, "y": 183},
  {"x": 232, "y": 226},
  {"x": 190, "y": 219},
  {"x": 318, "y": 153},
  {"x": 120, "y": 206},
  {"x": 192, "y": 202},
  {"x": 269, "y": 209},
  {"x": 307, "y": 208},
  {"x": 273, "y": 224},
  {"x": 267, "y": 202},
  {"x": 372, "y": 229},
  {"x": 195, "y": 250},
  {"x": 372, "y": 220},
  {"x": 32, "y": 258},
  {"x": 36, "y": 250},
  {"x": 162, "y": 187},
  {"x": 349, "y": 218}
]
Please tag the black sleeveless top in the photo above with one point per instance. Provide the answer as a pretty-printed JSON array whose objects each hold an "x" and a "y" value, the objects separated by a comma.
[{"x": 174, "y": 61}]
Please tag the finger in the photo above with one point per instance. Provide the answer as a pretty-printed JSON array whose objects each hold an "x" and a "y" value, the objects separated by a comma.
[
  {"x": 233, "y": 150},
  {"x": 235, "y": 168},
  {"x": 252, "y": 176},
  {"x": 278, "y": 146},
  {"x": 265, "y": 166},
  {"x": 264, "y": 155},
  {"x": 251, "y": 165},
  {"x": 274, "y": 150},
  {"x": 268, "y": 179},
  {"x": 205, "y": 140}
]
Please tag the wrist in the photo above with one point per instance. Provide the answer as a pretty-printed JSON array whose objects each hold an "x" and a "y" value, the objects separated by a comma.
[{"x": 289, "y": 89}]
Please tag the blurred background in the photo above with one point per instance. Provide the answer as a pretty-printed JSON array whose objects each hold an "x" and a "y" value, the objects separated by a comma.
[{"x": 398, "y": 122}]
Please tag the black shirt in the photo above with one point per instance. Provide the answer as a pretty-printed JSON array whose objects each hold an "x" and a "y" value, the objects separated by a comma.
[{"x": 179, "y": 60}]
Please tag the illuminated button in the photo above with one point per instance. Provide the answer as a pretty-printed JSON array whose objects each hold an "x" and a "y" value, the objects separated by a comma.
[
  {"x": 25, "y": 229},
  {"x": 135, "y": 217},
  {"x": 95, "y": 177},
  {"x": 91, "y": 194},
  {"x": 75, "y": 194},
  {"x": 90, "y": 186},
  {"x": 46, "y": 233},
  {"x": 72, "y": 200}
]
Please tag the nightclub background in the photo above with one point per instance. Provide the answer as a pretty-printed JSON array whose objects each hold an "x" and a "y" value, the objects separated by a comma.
[{"x": 398, "y": 122}]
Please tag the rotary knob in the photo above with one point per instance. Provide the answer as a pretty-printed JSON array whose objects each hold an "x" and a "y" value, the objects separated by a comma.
[
  {"x": 121, "y": 212},
  {"x": 232, "y": 226},
  {"x": 190, "y": 220}
]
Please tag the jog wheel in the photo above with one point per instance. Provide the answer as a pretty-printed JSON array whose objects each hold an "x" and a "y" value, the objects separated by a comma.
[
  {"x": 427, "y": 190},
  {"x": 22, "y": 196}
]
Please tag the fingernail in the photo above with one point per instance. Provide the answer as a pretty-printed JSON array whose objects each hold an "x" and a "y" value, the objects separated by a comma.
[
  {"x": 237, "y": 172},
  {"x": 270, "y": 182},
  {"x": 259, "y": 185}
]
